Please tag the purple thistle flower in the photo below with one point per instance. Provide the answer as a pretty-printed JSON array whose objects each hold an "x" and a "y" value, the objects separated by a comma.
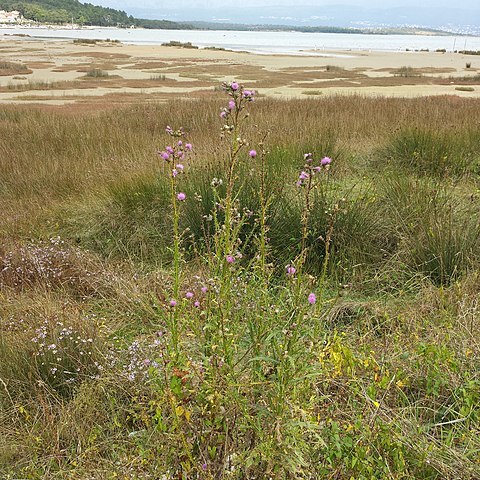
[
  {"x": 180, "y": 143},
  {"x": 164, "y": 155},
  {"x": 312, "y": 298},
  {"x": 230, "y": 258},
  {"x": 252, "y": 153},
  {"x": 174, "y": 172},
  {"x": 196, "y": 304},
  {"x": 188, "y": 146},
  {"x": 189, "y": 295},
  {"x": 291, "y": 270},
  {"x": 181, "y": 196},
  {"x": 179, "y": 167},
  {"x": 231, "y": 105},
  {"x": 173, "y": 303},
  {"x": 169, "y": 149},
  {"x": 326, "y": 161},
  {"x": 204, "y": 289},
  {"x": 223, "y": 114},
  {"x": 248, "y": 95},
  {"x": 234, "y": 86},
  {"x": 303, "y": 175}
]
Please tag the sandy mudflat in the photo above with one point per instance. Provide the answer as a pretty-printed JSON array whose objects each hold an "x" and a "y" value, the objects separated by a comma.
[{"x": 63, "y": 72}]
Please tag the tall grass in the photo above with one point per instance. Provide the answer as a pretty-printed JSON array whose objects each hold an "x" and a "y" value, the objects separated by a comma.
[
  {"x": 130, "y": 220},
  {"x": 451, "y": 153},
  {"x": 437, "y": 233},
  {"x": 407, "y": 72},
  {"x": 97, "y": 73},
  {"x": 84, "y": 151}
]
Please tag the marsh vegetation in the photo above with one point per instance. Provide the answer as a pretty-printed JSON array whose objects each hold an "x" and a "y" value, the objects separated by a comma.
[{"x": 215, "y": 302}]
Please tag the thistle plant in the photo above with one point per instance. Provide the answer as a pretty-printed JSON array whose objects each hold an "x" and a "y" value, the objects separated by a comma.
[
  {"x": 175, "y": 156},
  {"x": 227, "y": 233},
  {"x": 265, "y": 201},
  {"x": 252, "y": 328},
  {"x": 308, "y": 181},
  {"x": 233, "y": 115}
]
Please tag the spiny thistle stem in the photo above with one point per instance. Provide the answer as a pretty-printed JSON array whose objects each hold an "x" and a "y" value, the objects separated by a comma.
[{"x": 174, "y": 156}]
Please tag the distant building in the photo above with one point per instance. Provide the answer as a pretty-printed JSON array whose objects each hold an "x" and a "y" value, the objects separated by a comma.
[{"x": 10, "y": 17}]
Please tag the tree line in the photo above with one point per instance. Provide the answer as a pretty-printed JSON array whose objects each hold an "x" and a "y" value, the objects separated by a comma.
[{"x": 65, "y": 11}]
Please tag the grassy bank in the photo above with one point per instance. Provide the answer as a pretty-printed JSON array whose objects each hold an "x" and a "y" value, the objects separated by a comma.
[{"x": 145, "y": 334}]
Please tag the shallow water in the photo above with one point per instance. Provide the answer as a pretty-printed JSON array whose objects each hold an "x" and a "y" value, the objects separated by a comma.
[{"x": 260, "y": 42}]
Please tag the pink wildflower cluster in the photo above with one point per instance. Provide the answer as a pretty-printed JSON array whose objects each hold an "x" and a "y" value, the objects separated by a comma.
[
  {"x": 310, "y": 169},
  {"x": 176, "y": 153},
  {"x": 239, "y": 96},
  {"x": 191, "y": 295}
]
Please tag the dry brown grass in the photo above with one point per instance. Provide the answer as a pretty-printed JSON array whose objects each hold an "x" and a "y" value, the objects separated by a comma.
[
  {"x": 72, "y": 67},
  {"x": 86, "y": 66},
  {"x": 194, "y": 80},
  {"x": 71, "y": 150},
  {"x": 148, "y": 65},
  {"x": 324, "y": 72},
  {"x": 423, "y": 70},
  {"x": 261, "y": 77},
  {"x": 8, "y": 68},
  {"x": 395, "y": 81},
  {"x": 97, "y": 66},
  {"x": 40, "y": 65},
  {"x": 102, "y": 55},
  {"x": 50, "y": 266},
  {"x": 110, "y": 81}
]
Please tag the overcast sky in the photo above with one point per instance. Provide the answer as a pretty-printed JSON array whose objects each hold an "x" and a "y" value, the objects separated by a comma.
[{"x": 166, "y": 4}]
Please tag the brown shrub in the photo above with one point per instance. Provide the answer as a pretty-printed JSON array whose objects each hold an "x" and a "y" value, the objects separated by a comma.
[{"x": 51, "y": 265}]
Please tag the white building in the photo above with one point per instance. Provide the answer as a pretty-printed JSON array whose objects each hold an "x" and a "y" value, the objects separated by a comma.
[{"x": 9, "y": 17}]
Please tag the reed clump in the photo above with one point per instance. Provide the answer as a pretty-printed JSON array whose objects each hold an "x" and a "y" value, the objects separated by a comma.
[{"x": 13, "y": 68}]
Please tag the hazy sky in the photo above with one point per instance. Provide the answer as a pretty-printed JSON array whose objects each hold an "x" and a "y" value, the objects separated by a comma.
[{"x": 160, "y": 4}]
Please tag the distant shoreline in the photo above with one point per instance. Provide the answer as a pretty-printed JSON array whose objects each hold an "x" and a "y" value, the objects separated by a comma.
[
  {"x": 262, "y": 43},
  {"x": 197, "y": 26}
]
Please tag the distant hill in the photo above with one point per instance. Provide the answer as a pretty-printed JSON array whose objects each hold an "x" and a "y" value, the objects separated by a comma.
[
  {"x": 312, "y": 29},
  {"x": 66, "y": 11},
  {"x": 201, "y": 25},
  {"x": 456, "y": 17}
]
